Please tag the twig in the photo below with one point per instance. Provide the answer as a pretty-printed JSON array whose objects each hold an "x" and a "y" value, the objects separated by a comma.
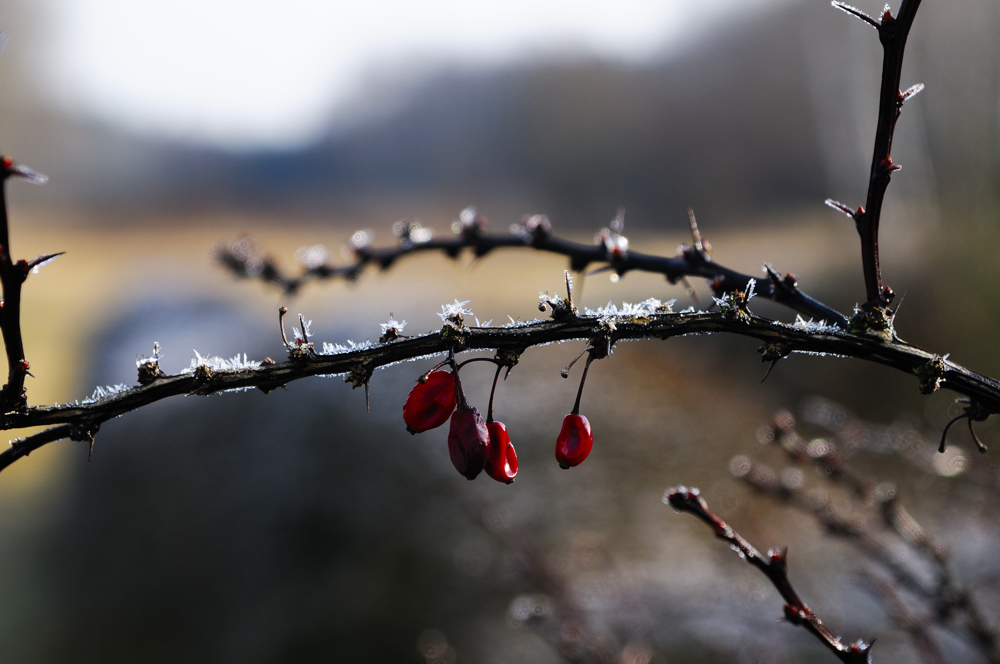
[
  {"x": 892, "y": 33},
  {"x": 775, "y": 568},
  {"x": 917, "y": 627},
  {"x": 534, "y": 232},
  {"x": 12, "y": 275}
]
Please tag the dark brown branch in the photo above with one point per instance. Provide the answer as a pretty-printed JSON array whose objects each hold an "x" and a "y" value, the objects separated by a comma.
[
  {"x": 12, "y": 275},
  {"x": 534, "y": 232},
  {"x": 775, "y": 568},
  {"x": 948, "y": 596},
  {"x": 892, "y": 33},
  {"x": 600, "y": 330}
]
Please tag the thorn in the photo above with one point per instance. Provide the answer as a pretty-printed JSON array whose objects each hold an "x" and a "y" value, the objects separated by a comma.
[
  {"x": 844, "y": 208},
  {"x": 898, "y": 305},
  {"x": 90, "y": 454},
  {"x": 768, "y": 373},
  {"x": 695, "y": 234},
  {"x": 858, "y": 13},
  {"x": 692, "y": 293},
  {"x": 368, "y": 405},
  {"x": 569, "y": 286},
  {"x": 910, "y": 93}
]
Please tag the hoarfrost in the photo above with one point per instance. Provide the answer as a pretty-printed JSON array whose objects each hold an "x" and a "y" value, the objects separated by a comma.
[
  {"x": 104, "y": 393},
  {"x": 391, "y": 324},
  {"x": 236, "y": 363},
  {"x": 814, "y": 327},
  {"x": 456, "y": 309},
  {"x": 348, "y": 347}
]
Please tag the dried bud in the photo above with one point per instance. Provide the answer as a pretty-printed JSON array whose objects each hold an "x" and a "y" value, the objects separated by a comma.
[
  {"x": 468, "y": 442},
  {"x": 430, "y": 403},
  {"x": 574, "y": 442}
]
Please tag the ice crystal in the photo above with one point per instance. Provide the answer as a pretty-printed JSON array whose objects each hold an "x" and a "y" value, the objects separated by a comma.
[
  {"x": 236, "y": 363},
  {"x": 392, "y": 324},
  {"x": 348, "y": 347},
  {"x": 104, "y": 392},
  {"x": 454, "y": 310},
  {"x": 147, "y": 361},
  {"x": 812, "y": 326}
]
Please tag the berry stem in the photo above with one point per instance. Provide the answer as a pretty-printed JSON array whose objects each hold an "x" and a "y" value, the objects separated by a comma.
[
  {"x": 496, "y": 377},
  {"x": 583, "y": 379}
]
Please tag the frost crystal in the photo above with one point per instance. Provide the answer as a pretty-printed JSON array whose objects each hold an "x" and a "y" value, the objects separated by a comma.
[
  {"x": 148, "y": 361},
  {"x": 641, "y": 310},
  {"x": 452, "y": 310},
  {"x": 812, "y": 326},
  {"x": 391, "y": 324},
  {"x": 104, "y": 393},
  {"x": 236, "y": 363},
  {"x": 350, "y": 347}
]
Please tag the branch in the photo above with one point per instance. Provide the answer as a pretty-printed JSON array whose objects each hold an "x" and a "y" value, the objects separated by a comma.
[
  {"x": 947, "y": 595},
  {"x": 918, "y": 627},
  {"x": 892, "y": 33},
  {"x": 534, "y": 232},
  {"x": 775, "y": 568},
  {"x": 604, "y": 329},
  {"x": 12, "y": 275}
]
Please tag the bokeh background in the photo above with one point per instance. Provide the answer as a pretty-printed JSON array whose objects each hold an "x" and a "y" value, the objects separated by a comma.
[{"x": 296, "y": 527}]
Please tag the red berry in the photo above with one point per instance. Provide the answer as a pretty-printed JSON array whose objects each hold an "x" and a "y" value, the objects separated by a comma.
[
  {"x": 468, "y": 442},
  {"x": 574, "y": 442},
  {"x": 430, "y": 403},
  {"x": 502, "y": 465}
]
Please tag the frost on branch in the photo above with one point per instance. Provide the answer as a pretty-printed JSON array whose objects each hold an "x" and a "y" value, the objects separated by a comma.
[
  {"x": 203, "y": 367},
  {"x": 391, "y": 330},
  {"x": 733, "y": 305}
]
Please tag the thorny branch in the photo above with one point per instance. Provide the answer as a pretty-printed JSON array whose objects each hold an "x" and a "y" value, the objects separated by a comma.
[
  {"x": 603, "y": 330},
  {"x": 12, "y": 275},
  {"x": 534, "y": 232},
  {"x": 947, "y": 597},
  {"x": 892, "y": 33},
  {"x": 775, "y": 568}
]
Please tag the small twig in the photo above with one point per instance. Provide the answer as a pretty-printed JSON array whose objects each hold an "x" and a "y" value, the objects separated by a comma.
[{"x": 775, "y": 568}]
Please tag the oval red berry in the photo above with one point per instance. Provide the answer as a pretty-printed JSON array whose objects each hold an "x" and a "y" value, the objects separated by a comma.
[
  {"x": 502, "y": 465},
  {"x": 574, "y": 442},
  {"x": 430, "y": 403}
]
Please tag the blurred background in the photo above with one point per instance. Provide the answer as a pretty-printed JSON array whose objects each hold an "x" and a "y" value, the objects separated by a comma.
[{"x": 296, "y": 527}]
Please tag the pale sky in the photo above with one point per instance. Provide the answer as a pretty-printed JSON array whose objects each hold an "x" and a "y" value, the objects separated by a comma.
[{"x": 253, "y": 73}]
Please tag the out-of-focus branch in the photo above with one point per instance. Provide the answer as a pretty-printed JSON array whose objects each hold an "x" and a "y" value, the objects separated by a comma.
[
  {"x": 918, "y": 627},
  {"x": 534, "y": 232},
  {"x": 775, "y": 568}
]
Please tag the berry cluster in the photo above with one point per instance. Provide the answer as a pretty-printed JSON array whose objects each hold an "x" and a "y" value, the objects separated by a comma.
[{"x": 476, "y": 445}]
